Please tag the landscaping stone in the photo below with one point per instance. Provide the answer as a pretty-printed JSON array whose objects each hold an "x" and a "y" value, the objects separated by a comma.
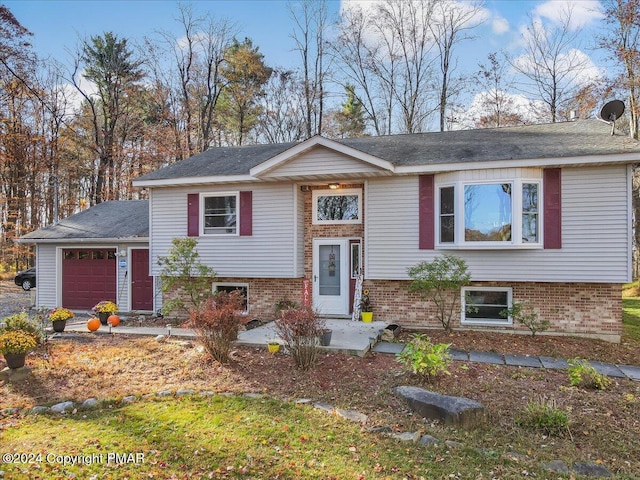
[
  {"x": 161, "y": 338},
  {"x": 453, "y": 445},
  {"x": 89, "y": 403},
  {"x": 607, "y": 369},
  {"x": 352, "y": 415},
  {"x": 554, "y": 363},
  {"x": 388, "y": 347},
  {"x": 486, "y": 357},
  {"x": 556, "y": 466},
  {"x": 458, "y": 355},
  {"x": 8, "y": 411},
  {"x": 454, "y": 411},
  {"x": 62, "y": 407},
  {"x": 184, "y": 391},
  {"x": 14, "y": 374},
  {"x": 39, "y": 409},
  {"x": 303, "y": 401},
  {"x": 589, "y": 469},
  {"x": 428, "y": 440},
  {"x": 522, "y": 361},
  {"x": 324, "y": 406},
  {"x": 412, "y": 437},
  {"x": 165, "y": 393},
  {"x": 379, "y": 429},
  {"x": 129, "y": 399},
  {"x": 630, "y": 371}
]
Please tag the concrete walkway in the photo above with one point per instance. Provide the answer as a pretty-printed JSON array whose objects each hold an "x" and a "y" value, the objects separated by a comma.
[{"x": 358, "y": 338}]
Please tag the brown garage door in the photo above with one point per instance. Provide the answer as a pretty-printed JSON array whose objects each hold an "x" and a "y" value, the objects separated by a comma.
[{"x": 88, "y": 276}]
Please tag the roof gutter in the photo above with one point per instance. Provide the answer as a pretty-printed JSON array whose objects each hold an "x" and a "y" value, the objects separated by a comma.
[{"x": 83, "y": 240}]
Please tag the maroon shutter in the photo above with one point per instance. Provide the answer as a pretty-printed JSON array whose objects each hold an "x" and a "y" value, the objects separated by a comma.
[
  {"x": 193, "y": 215},
  {"x": 246, "y": 214},
  {"x": 552, "y": 179},
  {"x": 426, "y": 212}
]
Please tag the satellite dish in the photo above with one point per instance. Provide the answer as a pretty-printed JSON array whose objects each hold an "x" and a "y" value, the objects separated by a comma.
[{"x": 611, "y": 112}]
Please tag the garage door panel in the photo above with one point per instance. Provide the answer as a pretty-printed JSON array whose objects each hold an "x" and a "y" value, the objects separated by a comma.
[{"x": 88, "y": 277}]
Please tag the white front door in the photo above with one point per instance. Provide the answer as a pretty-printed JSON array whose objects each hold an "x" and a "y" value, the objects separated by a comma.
[{"x": 331, "y": 276}]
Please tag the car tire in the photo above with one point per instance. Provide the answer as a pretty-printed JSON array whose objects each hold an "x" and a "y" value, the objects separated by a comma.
[{"x": 26, "y": 285}]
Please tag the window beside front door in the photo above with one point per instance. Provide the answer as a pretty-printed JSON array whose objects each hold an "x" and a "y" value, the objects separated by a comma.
[{"x": 337, "y": 207}]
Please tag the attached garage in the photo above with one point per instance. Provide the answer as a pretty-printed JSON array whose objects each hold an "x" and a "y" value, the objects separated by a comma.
[
  {"x": 101, "y": 253},
  {"x": 88, "y": 277}
]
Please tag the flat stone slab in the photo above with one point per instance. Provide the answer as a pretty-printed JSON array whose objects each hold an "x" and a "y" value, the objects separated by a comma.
[
  {"x": 458, "y": 355},
  {"x": 630, "y": 371},
  {"x": 486, "y": 357},
  {"x": 454, "y": 411},
  {"x": 607, "y": 369},
  {"x": 388, "y": 347},
  {"x": 522, "y": 361},
  {"x": 554, "y": 363}
]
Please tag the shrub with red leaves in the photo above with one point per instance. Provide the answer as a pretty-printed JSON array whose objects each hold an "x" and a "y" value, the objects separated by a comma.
[
  {"x": 217, "y": 322},
  {"x": 300, "y": 329}
]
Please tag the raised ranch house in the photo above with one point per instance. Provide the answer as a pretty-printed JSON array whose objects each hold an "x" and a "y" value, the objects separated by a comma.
[{"x": 541, "y": 214}]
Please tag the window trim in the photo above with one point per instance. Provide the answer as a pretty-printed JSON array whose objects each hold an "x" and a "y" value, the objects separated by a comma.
[
  {"x": 485, "y": 321},
  {"x": 215, "y": 285},
  {"x": 516, "y": 215},
  {"x": 201, "y": 217},
  {"x": 336, "y": 193}
]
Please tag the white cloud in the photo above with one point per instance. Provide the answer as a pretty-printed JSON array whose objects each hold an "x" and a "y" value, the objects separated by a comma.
[
  {"x": 583, "y": 12},
  {"x": 582, "y": 69},
  {"x": 500, "y": 25}
]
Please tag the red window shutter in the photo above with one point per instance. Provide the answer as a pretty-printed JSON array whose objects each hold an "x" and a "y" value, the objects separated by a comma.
[
  {"x": 193, "y": 215},
  {"x": 426, "y": 209},
  {"x": 246, "y": 214},
  {"x": 552, "y": 186}
]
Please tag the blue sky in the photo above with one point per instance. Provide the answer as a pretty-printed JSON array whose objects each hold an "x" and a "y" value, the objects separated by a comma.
[{"x": 57, "y": 25}]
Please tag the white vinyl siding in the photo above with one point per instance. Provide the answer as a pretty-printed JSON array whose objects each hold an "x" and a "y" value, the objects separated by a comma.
[
  {"x": 269, "y": 252},
  {"x": 322, "y": 162},
  {"x": 46, "y": 281},
  {"x": 595, "y": 231}
]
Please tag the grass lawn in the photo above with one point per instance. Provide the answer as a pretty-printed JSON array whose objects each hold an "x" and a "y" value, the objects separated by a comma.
[{"x": 228, "y": 437}]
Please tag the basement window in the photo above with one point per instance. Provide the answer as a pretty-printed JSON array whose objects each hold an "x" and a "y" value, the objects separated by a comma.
[{"x": 486, "y": 305}]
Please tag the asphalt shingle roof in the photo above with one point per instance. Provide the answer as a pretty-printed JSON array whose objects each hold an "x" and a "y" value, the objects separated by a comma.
[
  {"x": 554, "y": 140},
  {"x": 116, "y": 219}
]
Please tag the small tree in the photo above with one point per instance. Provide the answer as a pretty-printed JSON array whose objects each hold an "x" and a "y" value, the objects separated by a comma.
[
  {"x": 184, "y": 272},
  {"x": 299, "y": 329},
  {"x": 217, "y": 321},
  {"x": 528, "y": 319},
  {"x": 440, "y": 281}
]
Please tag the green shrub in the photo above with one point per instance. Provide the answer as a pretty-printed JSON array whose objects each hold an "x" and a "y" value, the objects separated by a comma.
[
  {"x": 528, "y": 319},
  {"x": 545, "y": 416},
  {"x": 582, "y": 374},
  {"x": 440, "y": 281},
  {"x": 425, "y": 358}
]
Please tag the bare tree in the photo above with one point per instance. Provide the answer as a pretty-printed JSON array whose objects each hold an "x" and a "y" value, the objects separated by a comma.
[
  {"x": 283, "y": 118},
  {"x": 311, "y": 23},
  {"x": 355, "y": 56},
  {"x": 194, "y": 83},
  {"x": 623, "y": 44},
  {"x": 405, "y": 61},
  {"x": 450, "y": 26},
  {"x": 551, "y": 63},
  {"x": 494, "y": 85}
]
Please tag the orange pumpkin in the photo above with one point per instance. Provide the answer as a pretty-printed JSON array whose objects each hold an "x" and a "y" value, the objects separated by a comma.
[
  {"x": 114, "y": 320},
  {"x": 93, "y": 324}
]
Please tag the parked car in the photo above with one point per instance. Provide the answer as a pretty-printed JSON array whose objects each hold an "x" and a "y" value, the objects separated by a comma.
[{"x": 26, "y": 279}]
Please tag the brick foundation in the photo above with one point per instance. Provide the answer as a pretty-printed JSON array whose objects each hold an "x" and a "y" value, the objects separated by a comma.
[{"x": 588, "y": 309}]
